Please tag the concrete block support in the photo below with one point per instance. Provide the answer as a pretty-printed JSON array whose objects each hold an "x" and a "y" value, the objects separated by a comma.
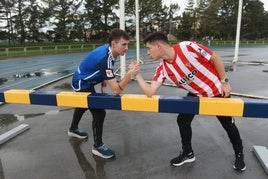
[
  {"x": 13, "y": 132},
  {"x": 261, "y": 153}
]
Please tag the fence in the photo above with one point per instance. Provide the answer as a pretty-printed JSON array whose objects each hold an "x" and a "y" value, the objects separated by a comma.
[
  {"x": 54, "y": 49},
  {"x": 42, "y": 50}
]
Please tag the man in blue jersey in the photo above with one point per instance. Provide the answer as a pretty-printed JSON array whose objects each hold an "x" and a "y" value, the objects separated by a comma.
[{"x": 97, "y": 67}]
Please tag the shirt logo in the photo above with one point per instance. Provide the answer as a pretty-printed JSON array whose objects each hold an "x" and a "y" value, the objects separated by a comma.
[
  {"x": 188, "y": 78},
  {"x": 202, "y": 52},
  {"x": 109, "y": 73}
]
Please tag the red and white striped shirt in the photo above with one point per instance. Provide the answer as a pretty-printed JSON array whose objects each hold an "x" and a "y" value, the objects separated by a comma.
[{"x": 191, "y": 69}]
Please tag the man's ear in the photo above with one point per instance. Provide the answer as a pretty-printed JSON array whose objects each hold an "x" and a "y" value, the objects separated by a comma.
[
  {"x": 112, "y": 43},
  {"x": 158, "y": 44}
]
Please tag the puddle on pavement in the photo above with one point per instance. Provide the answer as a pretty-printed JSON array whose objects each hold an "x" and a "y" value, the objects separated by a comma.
[
  {"x": 2, "y": 80},
  {"x": 229, "y": 68},
  {"x": 234, "y": 67},
  {"x": 64, "y": 86},
  {"x": 8, "y": 118},
  {"x": 35, "y": 74},
  {"x": 240, "y": 55}
]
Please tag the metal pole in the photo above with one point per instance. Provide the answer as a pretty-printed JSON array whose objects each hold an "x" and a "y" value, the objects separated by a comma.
[
  {"x": 137, "y": 31},
  {"x": 122, "y": 26},
  {"x": 238, "y": 30}
]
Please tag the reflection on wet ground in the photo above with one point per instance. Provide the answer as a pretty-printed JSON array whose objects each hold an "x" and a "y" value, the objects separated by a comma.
[
  {"x": 233, "y": 66},
  {"x": 7, "y": 118},
  {"x": 85, "y": 165},
  {"x": 1, "y": 170},
  {"x": 231, "y": 55},
  {"x": 35, "y": 74},
  {"x": 64, "y": 86},
  {"x": 2, "y": 80},
  {"x": 28, "y": 75}
]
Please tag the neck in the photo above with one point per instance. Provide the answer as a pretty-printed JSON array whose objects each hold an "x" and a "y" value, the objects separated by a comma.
[
  {"x": 169, "y": 54},
  {"x": 114, "y": 54}
]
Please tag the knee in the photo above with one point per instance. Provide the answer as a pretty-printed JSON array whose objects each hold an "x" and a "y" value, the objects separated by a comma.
[
  {"x": 228, "y": 123},
  {"x": 101, "y": 113},
  {"x": 79, "y": 111},
  {"x": 98, "y": 113},
  {"x": 179, "y": 120},
  {"x": 231, "y": 128},
  {"x": 184, "y": 119}
]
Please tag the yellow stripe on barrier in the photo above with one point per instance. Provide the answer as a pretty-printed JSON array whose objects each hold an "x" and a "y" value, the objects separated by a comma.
[
  {"x": 132, "y": 102},
  {"x": 70, "y": 99},
  {"x": 17, "y": 96},
  {"x": 220, "y": 107}
]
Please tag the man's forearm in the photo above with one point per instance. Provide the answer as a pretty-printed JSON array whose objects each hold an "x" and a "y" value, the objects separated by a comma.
[{"x": 145, "y": 87}]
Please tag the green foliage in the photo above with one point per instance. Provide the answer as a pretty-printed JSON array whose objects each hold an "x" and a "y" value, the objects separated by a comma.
[
  {"x": 216, "y": 19},
  {"x": 23, "y": 21}
]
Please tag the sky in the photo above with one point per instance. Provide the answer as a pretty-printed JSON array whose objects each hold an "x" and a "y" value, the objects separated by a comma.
[{"x": 183, "y": 4}]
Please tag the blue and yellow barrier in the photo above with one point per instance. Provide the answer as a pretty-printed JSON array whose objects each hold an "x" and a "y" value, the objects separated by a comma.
[{"x": 136, "y": 102}]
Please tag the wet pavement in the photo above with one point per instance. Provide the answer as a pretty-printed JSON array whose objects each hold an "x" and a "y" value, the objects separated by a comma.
[
  {"x": 144, "y": 142},
  {"x": 30, "y": 72}
]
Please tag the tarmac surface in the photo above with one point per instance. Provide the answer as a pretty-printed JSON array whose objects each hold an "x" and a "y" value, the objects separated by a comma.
[{"x": 144, "y": 142}]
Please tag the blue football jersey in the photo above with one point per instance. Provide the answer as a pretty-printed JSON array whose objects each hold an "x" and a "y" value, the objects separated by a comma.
[{"x": 96, "y": 67}]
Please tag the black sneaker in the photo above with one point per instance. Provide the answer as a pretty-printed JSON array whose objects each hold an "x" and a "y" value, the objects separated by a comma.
[
  {"x": 182, "y": 159},
  {"x": 239, "y": 162}
]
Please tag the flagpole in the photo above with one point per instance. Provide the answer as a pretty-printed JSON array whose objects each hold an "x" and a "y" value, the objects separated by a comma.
[
  {"x": 122, "y": 26},
  {"x": 238, "y": 29}
]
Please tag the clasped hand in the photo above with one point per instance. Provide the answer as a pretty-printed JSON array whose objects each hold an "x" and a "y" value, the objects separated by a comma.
[
  {"x": 226, "y": 90},
  {"x": 134, "y": 68}
]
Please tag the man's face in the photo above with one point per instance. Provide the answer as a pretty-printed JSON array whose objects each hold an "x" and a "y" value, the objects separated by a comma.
[
  {"x": 153, "y": 50},
  {"x": 119, "y": 47}
]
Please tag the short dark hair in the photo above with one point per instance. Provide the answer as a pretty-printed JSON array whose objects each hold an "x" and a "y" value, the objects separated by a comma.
[
  {"x": 156, "y": 36},
  {"x": 117, "y": 34}
]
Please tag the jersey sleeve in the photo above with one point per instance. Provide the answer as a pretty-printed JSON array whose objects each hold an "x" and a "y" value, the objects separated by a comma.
[
  {"x": 200, "y": 50},
  {"x": 159, "y": 75},
  {"x": 106, "y": 69}
]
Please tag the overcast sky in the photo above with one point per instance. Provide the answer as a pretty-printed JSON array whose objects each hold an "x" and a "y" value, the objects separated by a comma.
[{"x": 183, "y": 4}]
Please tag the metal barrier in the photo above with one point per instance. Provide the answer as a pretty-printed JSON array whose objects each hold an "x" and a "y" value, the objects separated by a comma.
[{"x": 135, "y": 102}]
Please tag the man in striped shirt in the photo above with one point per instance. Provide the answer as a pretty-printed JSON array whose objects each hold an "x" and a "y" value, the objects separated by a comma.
[{"x": 198, "y": 70}]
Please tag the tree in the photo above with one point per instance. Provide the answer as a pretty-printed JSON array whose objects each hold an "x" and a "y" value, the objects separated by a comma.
[
  {"x": 101, "y": 17},
  {"x": 63, "y": 11},
  {"x": 35, "y": 20},
  {"x": 170, "y": 11},
  {"x": 67, "y": 20},
  {"x": 228, "y": 19},
  {"x": 253, "y": 21},
  {"x": 6, "y": 10},
  {"x": 152, "y": 15},
  {"x": 188, "y": 23},
  {"x": 208, "y": 11}
]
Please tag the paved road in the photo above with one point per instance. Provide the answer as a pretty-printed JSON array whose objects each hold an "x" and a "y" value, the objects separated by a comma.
[{"x": 144, "y": 142}]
